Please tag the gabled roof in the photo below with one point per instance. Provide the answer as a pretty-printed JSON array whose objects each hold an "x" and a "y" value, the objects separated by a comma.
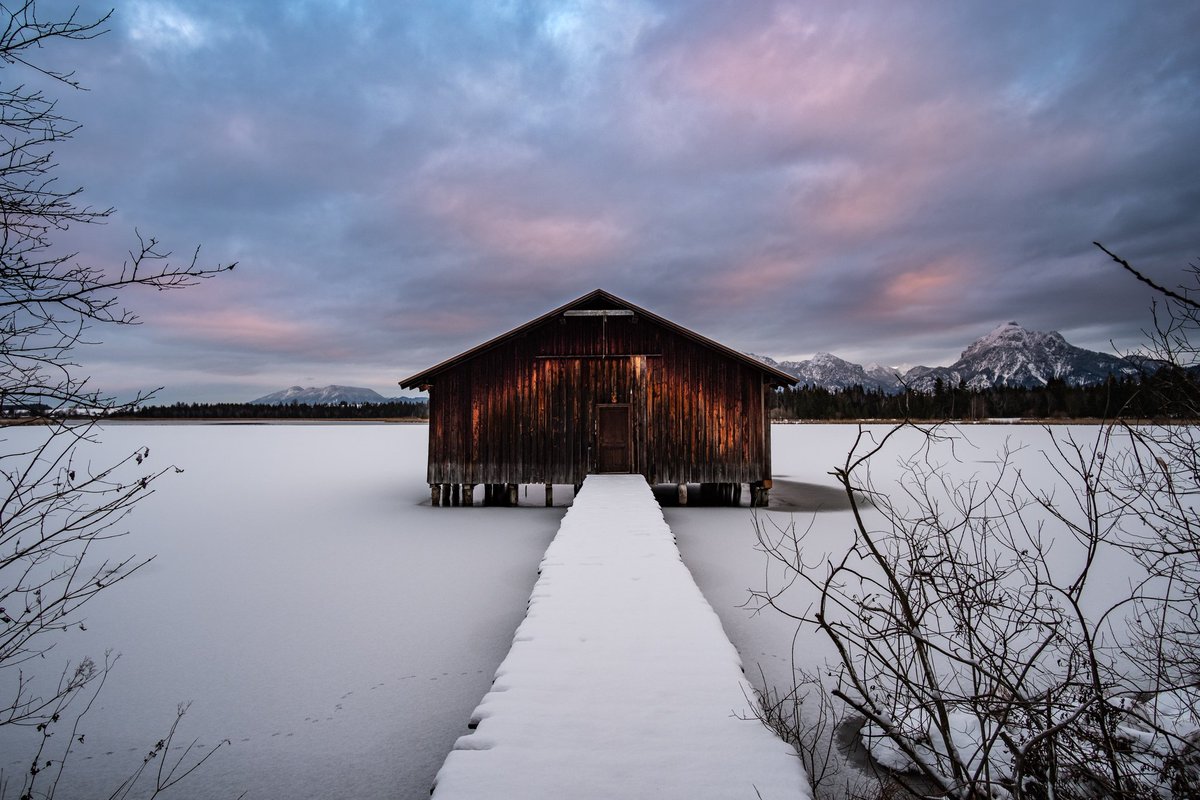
[{"x": 423, "y": 378}]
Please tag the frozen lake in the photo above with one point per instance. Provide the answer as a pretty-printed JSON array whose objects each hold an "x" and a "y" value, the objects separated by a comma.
[
  {"x": 320, "y": 615},
  {"x": 335, "y": 630}
]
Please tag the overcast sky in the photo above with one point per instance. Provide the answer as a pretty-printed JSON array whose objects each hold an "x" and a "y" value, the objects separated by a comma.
[{"x": 402, "y": 180}]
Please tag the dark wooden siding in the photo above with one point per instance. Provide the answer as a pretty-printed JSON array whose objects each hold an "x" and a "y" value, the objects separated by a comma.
[{"x": 525, "y": 410}]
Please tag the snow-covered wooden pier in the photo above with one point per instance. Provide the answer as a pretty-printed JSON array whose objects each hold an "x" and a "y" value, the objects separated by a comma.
[{"x": 620, "y": 681}]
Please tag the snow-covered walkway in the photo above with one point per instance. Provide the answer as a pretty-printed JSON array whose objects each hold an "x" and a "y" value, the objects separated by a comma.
[{"x": 620, "y": 681}]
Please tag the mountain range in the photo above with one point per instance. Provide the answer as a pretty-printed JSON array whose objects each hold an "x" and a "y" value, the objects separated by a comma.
[
  {"x": 1008, "y": 356},
  {"x": 329, "y": 396}
]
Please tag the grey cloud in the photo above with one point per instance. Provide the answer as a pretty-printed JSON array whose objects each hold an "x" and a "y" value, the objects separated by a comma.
[{"x": 786, "y": 177}]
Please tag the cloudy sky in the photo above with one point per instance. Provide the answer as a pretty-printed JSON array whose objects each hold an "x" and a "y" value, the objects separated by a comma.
[{"x": 402, "y": 180}]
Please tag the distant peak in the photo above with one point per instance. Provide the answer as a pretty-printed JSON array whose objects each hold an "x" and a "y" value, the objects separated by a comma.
[{"x": 1008, "y": 331}]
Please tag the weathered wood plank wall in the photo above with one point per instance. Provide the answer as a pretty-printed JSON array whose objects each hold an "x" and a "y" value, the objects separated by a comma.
[{"x": 525, "y": 411}]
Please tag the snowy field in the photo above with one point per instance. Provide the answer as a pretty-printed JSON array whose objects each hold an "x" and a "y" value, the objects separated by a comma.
[
  {"x": 338, "y": 630},
  {"x": 312, "y": 606}
]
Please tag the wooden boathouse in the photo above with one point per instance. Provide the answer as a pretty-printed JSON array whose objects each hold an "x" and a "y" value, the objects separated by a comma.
[{"x": 598, "y": 385}]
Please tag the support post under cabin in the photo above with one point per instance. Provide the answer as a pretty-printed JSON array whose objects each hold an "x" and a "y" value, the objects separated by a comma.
[
  {"x": 512, "y": 494},
  {"x": 682, "y": 494},
  {"x": 435, "y": 494},
  {"x": 468, "y": 494}
]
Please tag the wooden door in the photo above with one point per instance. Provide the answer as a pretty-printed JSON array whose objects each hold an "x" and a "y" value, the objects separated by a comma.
[{"x": 614, "y": 438}]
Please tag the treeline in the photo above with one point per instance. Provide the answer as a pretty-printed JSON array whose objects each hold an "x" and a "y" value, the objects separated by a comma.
[
  {"x": 1129, "y": 398},
  {"x": 288, "y": 411}
]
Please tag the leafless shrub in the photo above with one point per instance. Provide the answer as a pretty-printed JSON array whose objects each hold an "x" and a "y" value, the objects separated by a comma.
[
  {"x": 55, "y": 505},
  {"x": 983, "y": 665}
]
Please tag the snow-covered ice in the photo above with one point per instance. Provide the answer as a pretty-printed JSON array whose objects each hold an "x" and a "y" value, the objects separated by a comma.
[
  {"x": 310, "y": 603},
  {"x": 718, "y": 546},
  {"x": 304, "y": 586},
  {"x": 620, "y": 680}
]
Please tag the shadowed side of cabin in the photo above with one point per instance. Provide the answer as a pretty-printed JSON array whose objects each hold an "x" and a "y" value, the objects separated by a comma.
[{"x": 598, "y": 385}]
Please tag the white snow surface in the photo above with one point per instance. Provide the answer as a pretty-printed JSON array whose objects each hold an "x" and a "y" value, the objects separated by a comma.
[
  {"x": 620, "y": 681},
  {"x": 718, "y": 544},
  {"x": 339, "y": 630},
  {"x": 309, "y": 602}
]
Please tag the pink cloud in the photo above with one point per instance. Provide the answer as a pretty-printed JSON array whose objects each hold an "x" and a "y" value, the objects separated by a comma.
[
  {"x": 789, "y": 72},
  {"x": 772, "y": 71},
  {"x": 741, "y": 285},
  {"x": 858, "y": 201},
  {"x": 244, "y": 328},
  {"x": 920, "y": 288},
  {"x": 829, "y": 91},
  {"x": 526, "y": 235}
]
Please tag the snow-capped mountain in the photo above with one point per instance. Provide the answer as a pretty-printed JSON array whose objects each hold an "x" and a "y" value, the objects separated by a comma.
[
  {"x": 1008, "y": 356},
  {"x": 826, "y": 369},
  {"x": 1013, "y": 356},
  {"x": 329, "y": 395},
  {"x": 887, "y": 378}
]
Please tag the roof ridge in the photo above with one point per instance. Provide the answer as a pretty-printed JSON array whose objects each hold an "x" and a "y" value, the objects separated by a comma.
[{"x": 417, "y": 380}]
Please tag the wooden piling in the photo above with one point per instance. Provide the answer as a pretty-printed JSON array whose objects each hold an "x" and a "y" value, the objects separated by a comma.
[
  {"x": 682, "y": 489},
  {"x": 468, "y": 494},
  {"x": 435, "y": 494}
]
